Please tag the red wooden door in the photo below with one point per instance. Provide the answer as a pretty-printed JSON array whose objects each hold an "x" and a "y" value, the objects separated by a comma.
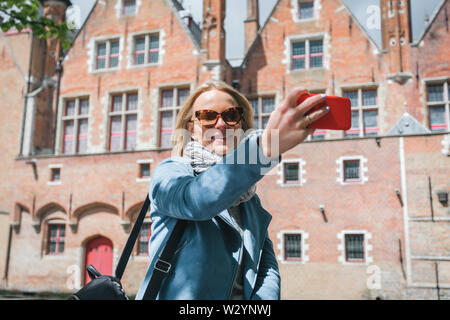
[{"x": 99, "y": 253}]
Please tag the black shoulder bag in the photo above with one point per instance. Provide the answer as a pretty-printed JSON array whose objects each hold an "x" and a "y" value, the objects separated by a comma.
[{"x": 103, "y": 287}]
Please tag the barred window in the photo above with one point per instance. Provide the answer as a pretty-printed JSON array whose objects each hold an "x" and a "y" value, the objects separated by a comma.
[
  {"x": 352, "y": 170},
  {"x": 354, "y": 247},
  {"x": 291, "y": 172},
  {"x": 292, "y": 246},
  {"x": 129, "y": 7}
]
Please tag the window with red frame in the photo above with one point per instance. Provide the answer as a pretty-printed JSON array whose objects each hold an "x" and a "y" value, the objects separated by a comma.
[
  {"x": 352, "y": 172},
  {"x": 146, "y": 49},
  {"x": 172, "y": 99},
  {"x": 354, "y": 247},
  {"x": 107, "y": 54},
  {"x": 307, "y": 54},
  {"x": 123, "y": 122},
  {"x": 75, "y": 125},
  {"x": 144, "y": 239},
  {"x": 364, "y": 112},
  {"x": 438, "y": 96},
  {"x": 56, "y": 238},
  {"x": 292, "y": 247}
]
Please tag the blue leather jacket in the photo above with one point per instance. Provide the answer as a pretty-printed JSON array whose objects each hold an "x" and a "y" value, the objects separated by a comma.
[{"x": 206, "y": 260}]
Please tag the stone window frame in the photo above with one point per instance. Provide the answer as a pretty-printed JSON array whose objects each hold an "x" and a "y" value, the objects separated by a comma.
[
  {"x": 445, "y": 82},
  {"x": 295, "y": 10},
  {"x": 120, "y": 9},
  {"x": 363, "y": 169},
  {"x": 92, "y": 53},
  {"x": 368, "y": 259},
  {"x": 139, "y": 177},
  {"x": 303, "y": 245},
  {"x": 301, "y": 171},
  {"x": 50, "y": 181}
]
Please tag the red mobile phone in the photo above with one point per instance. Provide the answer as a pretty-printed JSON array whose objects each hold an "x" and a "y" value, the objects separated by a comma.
[{"x": 338, "y": 118}]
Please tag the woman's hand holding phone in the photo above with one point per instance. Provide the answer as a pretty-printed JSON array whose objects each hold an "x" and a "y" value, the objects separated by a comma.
[{"x": 288, "y": 124}]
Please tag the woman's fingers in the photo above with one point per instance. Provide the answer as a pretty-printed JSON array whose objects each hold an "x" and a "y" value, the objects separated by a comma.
[
  {"x": 292, "y": 98},
  {"x": 309, "y": 103},
  {"x": 306, "y": 120}
]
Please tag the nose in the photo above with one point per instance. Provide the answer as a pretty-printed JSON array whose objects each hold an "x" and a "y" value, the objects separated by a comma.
[{"x": 220, "y": 123}]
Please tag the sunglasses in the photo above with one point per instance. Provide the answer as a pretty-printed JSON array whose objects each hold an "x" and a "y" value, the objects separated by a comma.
[{"x": 230, "y": 116}]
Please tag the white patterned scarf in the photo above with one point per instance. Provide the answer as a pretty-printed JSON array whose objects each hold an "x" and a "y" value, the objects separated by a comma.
[{"x": 201, "y": 158}]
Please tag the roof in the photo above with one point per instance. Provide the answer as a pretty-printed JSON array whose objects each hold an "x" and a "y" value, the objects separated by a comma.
[
  {"x": 430, "y": 23},
  {"x": 407, "y": 125},
  {"x": 193, "y": 30}
]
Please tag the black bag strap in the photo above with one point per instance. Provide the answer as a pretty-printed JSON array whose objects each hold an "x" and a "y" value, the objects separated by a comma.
[
  {"x": 132, "y": 240},
  {"x": 163, "y": 263}
]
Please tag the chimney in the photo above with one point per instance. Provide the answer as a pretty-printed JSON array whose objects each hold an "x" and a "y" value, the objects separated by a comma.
[
  {"x": 396, "y": 36},
  {"x": 213, "y": 32},
  {"x": 252, "y": 23}
]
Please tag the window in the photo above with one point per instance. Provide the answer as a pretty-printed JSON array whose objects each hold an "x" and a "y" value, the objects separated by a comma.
[
  {"x": 305, "y": 10},
  {"x": 438, "y": 96},
  {"x": 364, "y": 112},
  {"x": 55, "y": 174},
  {"x": 107, "y": 54},
  {"x": 129, "y": 7},
  {"x": 171, "y": 101},
  {"x": 354, "y": 247},
  {"x": 307, "y": 54},
  {"x": 56, "y": 239},
  {"x": 262, "y": 108},
  {"x": 144, "y": 170},
  {"x": 291, "y": 172},
  {"x": 352, "y": 170},
  {"x": 292, "y": 246},
  {"x": 75, "y": 125},
  {"x": 146, "y": 49},
  {"x": 123, "y": 121},
  {"x": 144, "y": 239}
]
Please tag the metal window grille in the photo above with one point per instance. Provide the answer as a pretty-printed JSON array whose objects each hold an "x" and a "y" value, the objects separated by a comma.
[
  {"x": 351, "y": 170},
  {"x": 292, "y": 246},
  {"x": 291, "y": 172},
  {"x": 354, "y": 247}
]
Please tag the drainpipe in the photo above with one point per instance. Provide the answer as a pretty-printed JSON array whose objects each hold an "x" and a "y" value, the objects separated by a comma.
[
  {"x": 59, "y": 70},
  {"x": 8, "y": 254}
]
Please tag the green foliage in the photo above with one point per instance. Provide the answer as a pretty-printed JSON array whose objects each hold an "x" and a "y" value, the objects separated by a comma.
[{"x": 21, "y": 14}]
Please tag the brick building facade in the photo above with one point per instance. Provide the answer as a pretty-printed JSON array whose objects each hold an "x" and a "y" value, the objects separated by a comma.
[{"x": 360, "y": 214}]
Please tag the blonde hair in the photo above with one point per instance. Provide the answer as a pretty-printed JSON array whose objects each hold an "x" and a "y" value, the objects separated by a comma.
[{"x": 186, "y": 113}]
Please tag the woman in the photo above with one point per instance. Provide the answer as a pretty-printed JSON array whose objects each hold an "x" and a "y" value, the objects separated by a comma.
[{"x": 225, "y": 251}]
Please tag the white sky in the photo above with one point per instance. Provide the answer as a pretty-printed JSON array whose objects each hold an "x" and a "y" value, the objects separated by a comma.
[{"x": 364, "y": 10}]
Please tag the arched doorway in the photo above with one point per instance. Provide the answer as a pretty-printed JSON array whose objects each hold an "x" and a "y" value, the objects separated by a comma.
[{"x": 99, "y": 253}]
